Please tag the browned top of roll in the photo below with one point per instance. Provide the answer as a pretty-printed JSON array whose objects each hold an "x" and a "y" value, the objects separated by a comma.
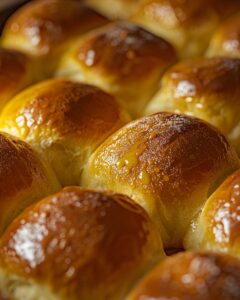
[
  {"x": 82, "y": 241},
  {"x": 175, "y": 13},
  {"x": 45, "y": 24},
  {"x": 68, "y": 107},
  {"x": 23, "y": 177},
  {"x": 18, "y": 166},
  {"x": 126, "y": 50},
  {"x": 227, "y": 38},
  {"x": 204, "y": 76},
  {"x": 221, "y": 216},
  {"x": 174, "y": 152},
  {"x": 192, "y": 276}
]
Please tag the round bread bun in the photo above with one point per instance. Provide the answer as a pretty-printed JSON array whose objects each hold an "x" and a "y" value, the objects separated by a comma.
[
  {"x": 78, "y": 244},
  {"x": 168, "y": 163},
  {"x": 24, "y": 178},
  {"x": 45, "y": 28},
  {"x": 17, "y": 71},
  {"x": 122, "y": 59},
  {"x": 217, "y": 226},
  {"x": 226, "y": 40},
  {"x": 207, "y": 88},
  {"x": 65, "y": 121},
  {"x": 192, "y": 276},
  {"x": 187, "y": 24}
]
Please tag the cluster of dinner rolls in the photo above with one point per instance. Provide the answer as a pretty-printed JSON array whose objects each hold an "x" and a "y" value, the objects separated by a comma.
[
  {"x": 119, "y": 160},
  {"x": 123, "y": 59}
]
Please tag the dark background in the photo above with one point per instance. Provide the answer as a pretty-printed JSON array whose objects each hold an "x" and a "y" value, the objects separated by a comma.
[{"x": 7, "y": 12}]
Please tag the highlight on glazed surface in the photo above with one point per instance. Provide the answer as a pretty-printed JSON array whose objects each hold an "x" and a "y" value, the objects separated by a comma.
[
  {"x": 192, "y": 276},
  {"x": 138, "y": 187},
  {"x": 65, "y": 121},
  {"x": 122, "y": 59},
  {"x": 24, "y": 178},
  {"x": 226, "y": 40},
  {"x": 78, "y": 244},
  {"x": 168, "y": 163},
  {"x": 207, "y": 88},
  {"x": 217, "y": 226},
  {"x": 45, "y": 28}
]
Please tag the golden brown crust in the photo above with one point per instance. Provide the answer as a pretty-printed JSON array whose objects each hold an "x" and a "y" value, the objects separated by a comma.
[
  {"x": 123, "y": 59},
  {"x": 192, "y": 276},
  {"x": 125, "y": 50},
  {"x": 23, "y": 178},
  {"x": 15, "y": 73},
  {"x": 168, "y": 163},
  {"x": 46, "y": 24},
  {"x": 218, "y": 225},
  {"x": 204, "y": 76},
  {"x": 226, "y": 40},
  {"x": 71, "y": 108},
  {"x": 83, "y": 244},
  {"x": 64, "y": 120},
  {"x": 207, "y": 88},
  {"x": 187, "y": 24}
]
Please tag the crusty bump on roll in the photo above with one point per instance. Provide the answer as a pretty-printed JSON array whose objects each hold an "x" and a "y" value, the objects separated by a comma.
[
  {"x": 168, "y": 163},
  {"x": 217, "y": 227},
  {"x": 192, "y": 276},
  {"x": 187, "y": 24},
  {"x": 226, "y": 40},
  {"x": 16, "y": 72},
  {"x": 45, "y": 28},
  {"x": 115, "y": 9},
  {"x": 78, "y": 244},
  {"x": 24, "y": 178},
  {"x": 123, "y": 59},
  {"x": 207, "y": 88},
  {"x": 65, "y": 121}
]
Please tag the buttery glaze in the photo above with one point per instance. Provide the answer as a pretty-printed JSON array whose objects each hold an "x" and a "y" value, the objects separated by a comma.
[
  {"x": 121, "y": 58},
  {"x": 218, "y": 225},
  {"x": 208, "y": 88},
  {"x": 84, "y": 243},
  {"x": 124, "y": 50},
  {"x": 187, "y": 24},
  {"x": 65, "y": 121},
  {"x": 24, "y": 178},
  {"x": 47, "y": 24},
  {"x": 168, "y": 163},
  {"x": 192, "y": 276},
  {"x": 226, "y": 40}
]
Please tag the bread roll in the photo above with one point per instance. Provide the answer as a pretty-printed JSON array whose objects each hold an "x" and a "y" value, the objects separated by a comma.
[
  {"x": 217, "y": 226},
  {"x": 24, "y": 178},
  {"x": 187, "y": 24},
  {"x": 167, "y": 163},
  {"x": 45, "y": 28},
  {"x": 115, "y": 9},
  {"x": 65, "y": 121},
  {"x": 192, "y": 276},
  {"x": 122, "y": 59},
  {"x": 206, "y": 88},
  {"x": 16, "y": 72},
  {"x": 77, "y": 244},
  {"x": 226, "y": 40}
]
